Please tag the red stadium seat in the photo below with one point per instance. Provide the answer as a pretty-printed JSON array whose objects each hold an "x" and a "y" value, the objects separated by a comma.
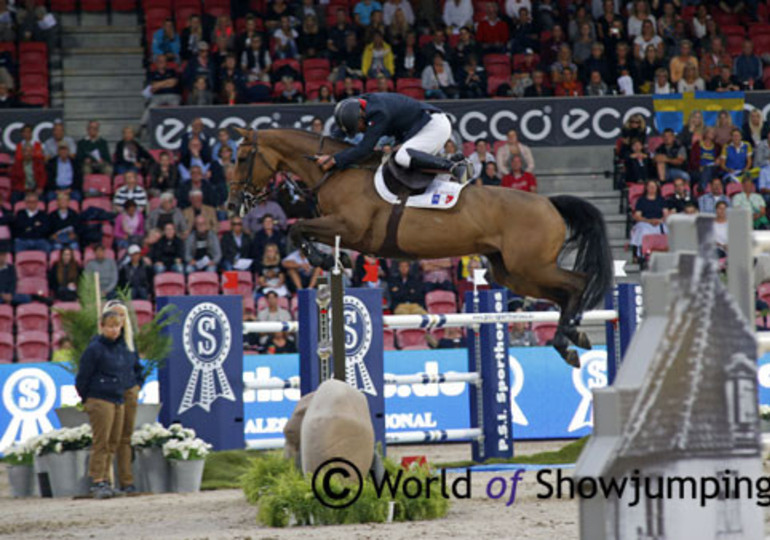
[
  {"x": 732, "y": 188},
  {"x": 544, "y": 332},
  {"x": 493, "y": 83},
  {"x": 5, "y": 187},
  {"x": 405, "y": 83},
  {"x": 666, "y": 190},
  {"x": 293, "y": 64},
  {"x": 6, "y": 318},
  {"x": 203, "y": 283},
  {"x": 35, "y": 96},
  {"x": 733, "y": 30},
  {"x": 98, "y": 202},
  {"x": 441, "y": 302},
  {"x": 108, "y": 236},
  {"x": 6, "y": 347},
  {"x": 169, "y": 284},
  {"x": 183, "y": 15},
  {"x": 414, "y": 93},
  {"x": 371, "y": 85},
  {"x": 56, "y": 316},
  {"x": 31, "y": 264},
  {"x": 315, "y": 69},
  {"x": 411, "y": 337},
  {"x": 100, "y": 184},
  {"x": 8, "y": 46},
  {"x": 734, "y": 44},
  {"x": 32, "y": 318},
  {"x": 761, "y": 43},
  {"x": 33, "y": 53},
  {"x": 635, "y": 191},
  {"x": 249, "y": 309},
  {"x": 33, "y": 285},
  {"x": 759, "y": 29},
  {"x": 143, "y": 310},
  {"x": 389, "y": 339},
  {"x": 32, "y": 347},
  {"x": 283, "y": 303},
  {"x": 63, "y": 6},
  {"x": 245, "y": 285},
  {"x": 654, "y": 242},
  {"x": 33, "y": 80},
  {"x": 123, "y": 5},
  {"x": 93, "y": 5}
]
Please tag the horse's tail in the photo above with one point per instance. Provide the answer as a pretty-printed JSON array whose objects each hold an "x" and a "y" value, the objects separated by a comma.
[{"x": 588, "y": 236}]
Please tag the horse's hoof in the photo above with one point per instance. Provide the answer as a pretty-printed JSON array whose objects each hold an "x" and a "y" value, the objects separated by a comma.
[
  {"x": 582, "y": 341},
  {"x": 572, "y": 358}
]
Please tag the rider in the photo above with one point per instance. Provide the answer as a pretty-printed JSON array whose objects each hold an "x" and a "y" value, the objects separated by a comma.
[{"x": 420, "y": 127}]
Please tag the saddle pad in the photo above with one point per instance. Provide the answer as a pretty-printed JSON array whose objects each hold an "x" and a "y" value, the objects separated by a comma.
[{"x": 441, "y": 194}]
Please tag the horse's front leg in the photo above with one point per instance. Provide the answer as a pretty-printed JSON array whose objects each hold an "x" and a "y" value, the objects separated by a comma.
[{"x": 324, "y": 230}]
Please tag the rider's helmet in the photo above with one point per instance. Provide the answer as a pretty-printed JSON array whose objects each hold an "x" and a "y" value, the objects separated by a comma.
[{"x": 346, "y": 114}]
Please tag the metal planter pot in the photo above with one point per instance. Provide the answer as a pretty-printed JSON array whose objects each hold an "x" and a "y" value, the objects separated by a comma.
[
  {"x": 153, "y": 469},
  {"x": 186, "y": 475},
  {"x": 22, "y": 480}
]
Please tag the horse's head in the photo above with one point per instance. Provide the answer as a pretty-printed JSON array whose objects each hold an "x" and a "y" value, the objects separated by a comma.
[{"x": 255, "y": 167}]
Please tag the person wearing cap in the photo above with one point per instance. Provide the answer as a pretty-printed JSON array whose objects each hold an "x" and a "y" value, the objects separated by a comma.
[
  {"x": 136, "y": 274},
  {"x": 63, "y": 175},
  {"x": 422, "y": 129}
]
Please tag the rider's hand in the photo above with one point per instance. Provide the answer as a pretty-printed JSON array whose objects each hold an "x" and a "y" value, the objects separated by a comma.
[{"x": 326, "y": 162}]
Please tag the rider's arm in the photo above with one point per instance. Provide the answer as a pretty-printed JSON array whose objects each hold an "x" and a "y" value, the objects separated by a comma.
[{"x": 375, "y": 128}]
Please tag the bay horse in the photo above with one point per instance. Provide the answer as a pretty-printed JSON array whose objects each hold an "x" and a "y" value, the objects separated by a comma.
[{"x": 522, "y": 234}]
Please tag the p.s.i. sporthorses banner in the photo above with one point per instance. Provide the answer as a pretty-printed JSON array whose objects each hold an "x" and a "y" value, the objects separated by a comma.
[{"x": 539, "y": 122}]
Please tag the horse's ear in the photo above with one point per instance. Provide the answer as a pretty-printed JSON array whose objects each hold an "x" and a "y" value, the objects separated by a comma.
[{"x": 243, "y": 132}]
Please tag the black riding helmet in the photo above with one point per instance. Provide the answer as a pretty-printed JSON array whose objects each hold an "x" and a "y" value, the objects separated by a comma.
[{"x": 346, "y": 114}]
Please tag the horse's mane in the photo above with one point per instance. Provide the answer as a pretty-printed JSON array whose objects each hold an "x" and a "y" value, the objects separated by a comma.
[{"x": 332, "y": 145}]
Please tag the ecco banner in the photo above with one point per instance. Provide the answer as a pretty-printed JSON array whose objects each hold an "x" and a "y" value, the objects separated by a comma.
[
  {"x": 540, "y": 122},
  {"x": 12, "y": 120},
  {"x": 549, "y": 400}
]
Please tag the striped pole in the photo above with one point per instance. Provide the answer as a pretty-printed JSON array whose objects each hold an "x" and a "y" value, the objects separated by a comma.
[{"x": 393, "y": 437}]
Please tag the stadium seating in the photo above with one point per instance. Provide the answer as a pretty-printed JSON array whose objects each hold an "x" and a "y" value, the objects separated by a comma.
[
  {"x": 32, "y": 347},
  {"x": 203, "y": 283},
  {"x": 32, "y": 318},
  {"x": 169, "y": 284}
]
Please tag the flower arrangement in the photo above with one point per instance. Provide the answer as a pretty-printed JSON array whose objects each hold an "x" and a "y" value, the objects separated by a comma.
[
  {"x": 60, "y": 440},
  {"x": 20, "y": 454},
  {"x": 764, "y": 412},
  {"x": 155, "y": 435},
  {"x": 186, "y": 449}
]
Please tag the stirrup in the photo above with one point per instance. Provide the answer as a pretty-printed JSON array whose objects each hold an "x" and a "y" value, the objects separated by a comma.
[{"x": 459, "y": 171}]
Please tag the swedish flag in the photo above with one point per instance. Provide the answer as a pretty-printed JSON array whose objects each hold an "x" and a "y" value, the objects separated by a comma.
[{"x": 673, "y": 110}]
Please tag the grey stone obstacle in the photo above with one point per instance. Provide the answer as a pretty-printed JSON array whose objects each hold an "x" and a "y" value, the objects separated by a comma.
[{"x": 683, "y": 405}]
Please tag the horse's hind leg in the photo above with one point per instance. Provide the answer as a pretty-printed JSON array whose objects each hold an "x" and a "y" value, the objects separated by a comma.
[{"x": 562, "y": 287}]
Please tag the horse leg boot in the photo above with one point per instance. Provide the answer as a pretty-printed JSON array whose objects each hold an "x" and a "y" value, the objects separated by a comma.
[
  {"x": 313, "y": 254},
  {"x": 424, "y": 161}
]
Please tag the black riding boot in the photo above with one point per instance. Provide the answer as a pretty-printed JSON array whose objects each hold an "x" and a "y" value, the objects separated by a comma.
[{"x": 425, "y": 161}]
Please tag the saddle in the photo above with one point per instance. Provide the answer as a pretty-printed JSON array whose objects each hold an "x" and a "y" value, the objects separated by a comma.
[{"x": 405, "y": 182}]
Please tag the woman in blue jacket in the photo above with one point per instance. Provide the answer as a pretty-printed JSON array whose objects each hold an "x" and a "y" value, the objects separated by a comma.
[{"x": 104, "y": 374}]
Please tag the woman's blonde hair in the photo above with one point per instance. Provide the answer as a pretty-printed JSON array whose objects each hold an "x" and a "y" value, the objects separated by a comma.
[
  {"x": 119, "y": 308},
  {"x": 699, "y": 128}
]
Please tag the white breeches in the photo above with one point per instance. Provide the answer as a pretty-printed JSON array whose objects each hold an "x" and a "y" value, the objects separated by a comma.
[{"x": 430, "y": 139}]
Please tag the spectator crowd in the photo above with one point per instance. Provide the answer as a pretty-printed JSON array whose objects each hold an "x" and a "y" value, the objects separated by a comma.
[{"x": 308, "y": 51}]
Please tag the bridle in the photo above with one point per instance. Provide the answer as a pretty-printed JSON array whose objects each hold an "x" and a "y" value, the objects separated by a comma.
[{"x": 262, "y": 193}]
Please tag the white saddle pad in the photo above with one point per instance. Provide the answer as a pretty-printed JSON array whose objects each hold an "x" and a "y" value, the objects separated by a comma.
[{"x": 441, "y": 194}]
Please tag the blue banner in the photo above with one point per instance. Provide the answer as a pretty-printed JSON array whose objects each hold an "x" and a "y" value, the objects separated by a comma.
[{"x": 549, "y": 400}]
